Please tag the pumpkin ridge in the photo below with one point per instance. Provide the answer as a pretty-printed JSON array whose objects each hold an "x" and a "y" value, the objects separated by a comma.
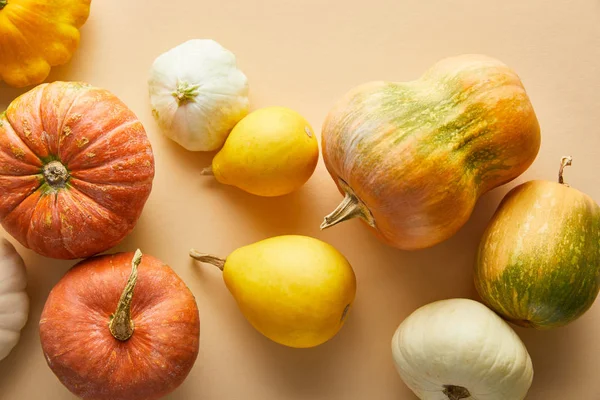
[
  {"x": 101, "y": 187},
  {"x": 119, "y": 217},
  {"x": 18, "y": 137},
  {"x": 33, "y": 208},
  {"x": 24, "y": 198},
  {"x": 93, "y": 144},
  {"x": 82, "y": 210},
  {"x": 65, "y": 118}
]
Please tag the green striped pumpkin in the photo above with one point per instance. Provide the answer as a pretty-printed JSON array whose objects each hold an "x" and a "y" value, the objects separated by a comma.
[{"x": 538, "y": 263}]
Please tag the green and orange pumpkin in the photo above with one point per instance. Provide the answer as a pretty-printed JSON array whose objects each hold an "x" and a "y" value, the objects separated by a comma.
[
  {"x": 412, "y": 158},
  {"x": 538, "y": 263}
]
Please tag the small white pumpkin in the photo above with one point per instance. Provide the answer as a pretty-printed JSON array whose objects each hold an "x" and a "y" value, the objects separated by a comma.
[
  {"x": 14, "y": 303},
  {"x": 459, "y": 349},
  {"x": 198, "y": 94}
]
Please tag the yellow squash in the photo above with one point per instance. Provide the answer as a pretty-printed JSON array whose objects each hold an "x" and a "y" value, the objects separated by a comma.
[
  {"x": 36, "y": 35},
  {"x": 270, "y": 152},
  {"x": 295, "y": 290}
]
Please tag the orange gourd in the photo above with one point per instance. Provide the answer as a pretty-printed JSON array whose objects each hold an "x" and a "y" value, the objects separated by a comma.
[
  {"x": 412, "y": 158},
  {"x": 76, "y": 169},
  {"x": 120, "y": 327}
]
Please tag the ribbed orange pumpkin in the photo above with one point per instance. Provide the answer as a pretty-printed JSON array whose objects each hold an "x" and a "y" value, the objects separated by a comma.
[
  {"x": 76, "y": 169},
  {"x": 412, "y": 158}
]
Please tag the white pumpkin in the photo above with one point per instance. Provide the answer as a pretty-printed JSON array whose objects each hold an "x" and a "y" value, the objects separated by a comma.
[
  {"x": 460, "y": 349},
  {"x": 198, "y": 94},
  {"x": 14, "y": 303}
]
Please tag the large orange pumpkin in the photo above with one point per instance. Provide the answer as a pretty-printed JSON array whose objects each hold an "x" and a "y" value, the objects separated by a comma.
[
  {"x": 112, "y": 332},
  {"x": 76, "y": 169}
]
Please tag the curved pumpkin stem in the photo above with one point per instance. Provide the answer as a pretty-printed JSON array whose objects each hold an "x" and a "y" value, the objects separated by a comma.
[
  {"x": 121, "y": 325},
  {"x": 565, "y": 161},
  {"x": 350, "y": 207}
]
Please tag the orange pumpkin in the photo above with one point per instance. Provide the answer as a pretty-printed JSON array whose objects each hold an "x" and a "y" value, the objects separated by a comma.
[
  {"x": 110, "y": 337},
  {"x": 76, "y": 169},
  {"x": 412, "y": 158}
]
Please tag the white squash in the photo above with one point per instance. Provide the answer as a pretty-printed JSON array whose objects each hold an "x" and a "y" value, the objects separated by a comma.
[
  {"x": 460, "y": 349},
  {"x": 198, "y": 94},
  {"x": 14, "y": 303}
]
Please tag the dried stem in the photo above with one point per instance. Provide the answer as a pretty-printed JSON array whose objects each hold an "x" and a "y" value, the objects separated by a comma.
[
  {"x": 456, "y": 392},
  {"x": 121, "y": 325},
  {"x": 565, "y": 161},
  {"x": 350, "y": 207},
  {"x": 208, "y": 171},
  {"x": 207, "y": 258}
]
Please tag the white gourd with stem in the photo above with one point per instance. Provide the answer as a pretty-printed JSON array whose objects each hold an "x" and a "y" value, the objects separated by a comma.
[
  {"x": 198, "y": 94},
  {"x": 459, "y": 349}
]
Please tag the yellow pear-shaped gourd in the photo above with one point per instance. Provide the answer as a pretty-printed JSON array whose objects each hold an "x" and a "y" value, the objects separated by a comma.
[
  {"x": 36, "y": 35},
  {"x": 295, "y": 290},
  {"x": 270, "y": 152}
]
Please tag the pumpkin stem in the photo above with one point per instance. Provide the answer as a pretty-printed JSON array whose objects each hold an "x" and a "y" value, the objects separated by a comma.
[
  {"x": 565, "y": 161},
  {"x": 55, "y": 174},
  {"x": 456, "y": 392},
  {"x": 350, "y": 207},
  {"x": 208, "y": 171},
  {"x": 3, "y": 4},
  {"x": 121, "y": 325},
  {"x": 207, "y": 258}
]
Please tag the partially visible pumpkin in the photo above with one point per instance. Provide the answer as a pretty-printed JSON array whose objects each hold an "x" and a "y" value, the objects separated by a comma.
[
  {"x": 76, "y": 169},
  {"x": 413, "y": 158},
  {"x": 14, "y": 302},
  {"x": 539, "y": 259},
  {"x": 110, "y": 337},
  {"x": 36, "y": 35}
]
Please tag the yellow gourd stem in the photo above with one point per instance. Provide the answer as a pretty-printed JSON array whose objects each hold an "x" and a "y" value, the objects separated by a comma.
[
  {"x": 207, "y": 258},
  {"x": 3, "y": 4},
  {"x": 121, "y": 325},
  {"x": 208, "y": 171},
  {"x": 565, "y": 161}
]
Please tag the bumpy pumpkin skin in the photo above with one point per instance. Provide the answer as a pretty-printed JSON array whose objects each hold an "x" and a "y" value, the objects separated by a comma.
[
  {"x": 89, "y": 361},
  {"x": 108, "y": 159},
  {"x": 538, "y": 263},
  {"x": 36, "y": 35},
  {"x": 418, "y": 155}
]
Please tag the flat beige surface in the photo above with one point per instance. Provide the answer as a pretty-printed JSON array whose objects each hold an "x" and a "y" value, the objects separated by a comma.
[{"x": 304, "y": 54}]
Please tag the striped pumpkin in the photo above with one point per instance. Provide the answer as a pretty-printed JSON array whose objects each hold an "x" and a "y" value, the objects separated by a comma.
[
  {"x": 539, "y": 260},
  {"x": 413, "y": 158}
]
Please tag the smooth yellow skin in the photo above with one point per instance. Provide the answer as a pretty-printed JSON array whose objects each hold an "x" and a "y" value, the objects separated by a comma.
[
  {"x": 36, "y": 35},
  {"x": 295, "y": 290},
  {"x": 271, "y": 152}
]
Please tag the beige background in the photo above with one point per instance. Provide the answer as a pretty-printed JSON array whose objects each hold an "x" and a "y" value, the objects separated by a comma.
[{"x": 304, "y": 55}]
